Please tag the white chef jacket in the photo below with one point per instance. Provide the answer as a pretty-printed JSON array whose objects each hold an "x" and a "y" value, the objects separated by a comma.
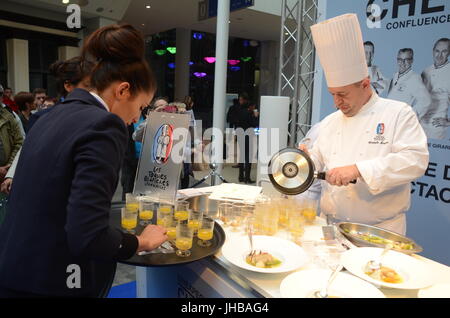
[
  {"x": 389, "y": 147},
  {"x": 437, "y": 81},
  {"x": 377, "y": 77},
  {"x": 409, "y": 88}
]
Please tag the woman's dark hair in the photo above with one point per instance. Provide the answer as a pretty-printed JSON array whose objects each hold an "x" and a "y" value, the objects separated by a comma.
[
  {"x": 22, "y": 98},
  {"x": 189, "y": 102},
  {"x": 117, "y": 52},
  {"x": 69, "y": 71}
]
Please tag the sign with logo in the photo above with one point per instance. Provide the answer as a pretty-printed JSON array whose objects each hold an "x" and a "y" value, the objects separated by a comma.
[
  {"x": 162, "y": 155},
  {"x": 407, "y": 51}
]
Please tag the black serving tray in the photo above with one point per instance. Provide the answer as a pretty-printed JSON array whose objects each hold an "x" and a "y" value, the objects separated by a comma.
[{"x": 149, "y": 260}]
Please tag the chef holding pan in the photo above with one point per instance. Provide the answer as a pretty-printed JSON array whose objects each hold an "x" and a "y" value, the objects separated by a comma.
[{"x": 376, "y": 141}]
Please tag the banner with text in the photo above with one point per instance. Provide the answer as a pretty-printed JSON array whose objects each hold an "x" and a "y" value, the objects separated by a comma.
[{"x": 407, "y": 50}]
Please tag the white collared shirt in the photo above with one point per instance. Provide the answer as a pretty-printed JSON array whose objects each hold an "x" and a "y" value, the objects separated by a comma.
[{"x": 100, "y": 100}]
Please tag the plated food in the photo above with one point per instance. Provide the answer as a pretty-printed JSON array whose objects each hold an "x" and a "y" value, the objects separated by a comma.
[
  {"x": 379, "y": 240},
  {"x": 262, "y": 260},
  {"x": 385, "y": 274}
]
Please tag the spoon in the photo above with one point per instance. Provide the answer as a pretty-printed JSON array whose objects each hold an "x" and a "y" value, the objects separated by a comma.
[
  {"x": 250, "y": 238},
  {"x": 323, "y": 293},
  {"x": 374, "y": 266}
]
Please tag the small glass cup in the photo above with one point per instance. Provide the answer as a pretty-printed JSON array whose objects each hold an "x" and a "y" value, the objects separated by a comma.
[
  {"x": 146, "y": 211},
  {"x": 225, "y": 211},
  {"x": 182, "y": 211},
  {"x": 165, "y": 208},
  {"x": 132, "y": 202},
  {"x": 171, "y": 227},
  {"x": 309, "y": 210},
  {"x": 237, "y": 216},
  {"x": 164, "y": 217},
  {"x": 296, "y": 224},
  {"x": 195, "y": 220},
  {"x": 183, "y": 242},
  {"x": 205, "y": 232},
  {"x": 129, "y": 220}
]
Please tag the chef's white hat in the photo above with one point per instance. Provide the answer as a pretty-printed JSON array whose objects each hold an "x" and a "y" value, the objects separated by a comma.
[{"x": 339, "y": 44}]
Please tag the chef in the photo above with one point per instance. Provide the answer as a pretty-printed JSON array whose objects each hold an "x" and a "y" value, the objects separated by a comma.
[
  {"x": 407, "y": 86},
  {"x": 437, "y": 80},
  {"x": 376, "y": 141}
]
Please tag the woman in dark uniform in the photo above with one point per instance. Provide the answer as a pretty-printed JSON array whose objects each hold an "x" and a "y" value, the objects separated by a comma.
[{"x": 58, "y": 213}]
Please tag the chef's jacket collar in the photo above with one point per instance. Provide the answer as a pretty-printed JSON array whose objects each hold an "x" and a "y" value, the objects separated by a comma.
[{"x": 367, "y": 106}]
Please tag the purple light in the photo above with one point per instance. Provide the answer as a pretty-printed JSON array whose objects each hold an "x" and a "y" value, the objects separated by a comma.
[
  {"x": 198, "y": 36},
  {"x": 191, "y": 63},
  {"x": 246, "y": 43},
  {"x": 210, "y": 60},
  {"x": 171, "y": 65},
  {"x": 234, "y": 62},
  {"x": 200, "y": 74},
  {"x": 235, "y": 68}
]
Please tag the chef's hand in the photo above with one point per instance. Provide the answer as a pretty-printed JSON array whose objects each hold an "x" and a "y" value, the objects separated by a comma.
[
  {"x": 152, "y": 237},
  {"x": 303, "y": 148},
  {"x": 342, "y": 176},
  {"x": 6, "y": 185}
]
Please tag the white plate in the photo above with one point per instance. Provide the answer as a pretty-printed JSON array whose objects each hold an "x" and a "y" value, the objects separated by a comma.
[
  {"x": 414, "y": 272},
  {"x": 436, "y": 291},
  {"x": 290, "y": 254},
  {"x": 304, "y": 283}
]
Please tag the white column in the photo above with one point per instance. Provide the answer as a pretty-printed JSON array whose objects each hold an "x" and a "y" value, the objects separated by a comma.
[
  {"x": 182, "y": 63},
  {"x": 18, "y": 65},
  {"x": 68, "y": 52},
  {"x": 220, "y": 82}
]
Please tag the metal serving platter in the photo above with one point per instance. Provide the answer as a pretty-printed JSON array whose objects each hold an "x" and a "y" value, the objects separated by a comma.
[
  {"x": 347, "y": 228},
  {"x": 160, "y": 259}
]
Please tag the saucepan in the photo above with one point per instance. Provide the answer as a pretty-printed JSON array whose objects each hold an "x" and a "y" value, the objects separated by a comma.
[{"x": 292, "y": 171}]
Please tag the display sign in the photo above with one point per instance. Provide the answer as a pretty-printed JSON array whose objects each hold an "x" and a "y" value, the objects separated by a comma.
[
  {"x": 407, "y": 50},
  {"x": 162, "y": 155}
]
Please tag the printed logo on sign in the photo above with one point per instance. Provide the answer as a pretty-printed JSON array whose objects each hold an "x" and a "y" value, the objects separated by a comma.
[
  {"x": 380, "y": 129},
  {"x": 162, "y": 144}
]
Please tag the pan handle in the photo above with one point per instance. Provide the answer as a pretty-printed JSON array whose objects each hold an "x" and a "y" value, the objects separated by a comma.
[{"x": 322, "y": 176}]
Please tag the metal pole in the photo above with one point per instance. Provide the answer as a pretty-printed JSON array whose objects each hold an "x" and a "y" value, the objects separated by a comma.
[
  {"x": 280, "y": 68},
  {"x": 220, "y": 83}
]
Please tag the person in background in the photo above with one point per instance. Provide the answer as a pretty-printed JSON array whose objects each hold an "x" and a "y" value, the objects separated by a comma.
[
  {"x": 248, "y": 117},
  {"x": 39, "y": 95},
  {"x": 407, "y": 86},
  {"x": 25, "y": 101},
  {"x": 232, "y": 122},
  {"x": 8, "y": 100},
  {"x": 437, "y": 80},
  {"x": 379, "y": 83},
  {"x": 377, "y": 142},
  {"x": 74, "y": 165},
  {"x": 11, "y": 138},
  {"x": 49, "y": 102}
]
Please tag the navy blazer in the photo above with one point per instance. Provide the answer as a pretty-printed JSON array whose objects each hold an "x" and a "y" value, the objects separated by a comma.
[{"x": 58, "y": 211}]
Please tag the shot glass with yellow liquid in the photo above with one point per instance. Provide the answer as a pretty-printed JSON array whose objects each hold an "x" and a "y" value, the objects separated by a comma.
[
  {"x": 171, "y": 227},
  {"x": 296, "y": 223},
  {"x": 195, "y": 220},
  {"x": 183, "y": 241},
  {"x": 205, "y": 232},
  {"x": 309, "y": 211},
  {"x": 146, "y": 211},
  {"x": 225, "y": 212},
  {"x": 129, "y": 220},
  {"x": 182, "y": 211},
  {"x": 164, "y": 217},
  {"x": 132, "y": 202}
]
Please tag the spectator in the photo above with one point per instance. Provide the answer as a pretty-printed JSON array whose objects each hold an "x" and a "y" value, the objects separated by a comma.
[
  {"x": 25, "y": 101},
  {"x": 8, "y": 100},
  {"x": 49, "y": 102},
  {"x": 39, "y": 95},
  {"x": 11, "y": 138}
]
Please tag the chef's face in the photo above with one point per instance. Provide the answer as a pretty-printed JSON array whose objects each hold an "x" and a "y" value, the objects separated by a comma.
[
  {"x": 404, "y": 61},
  {"x": 368, "y": 49},
  {"x": 441, "y": 53},
  {"x": 351, "y": 98}
]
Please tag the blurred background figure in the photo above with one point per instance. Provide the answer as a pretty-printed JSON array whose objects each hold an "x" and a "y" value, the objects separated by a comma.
[
  {"x": 25, "y": 102},
  {"x": 39, "y": 97},
  {"x": 49, "y": 102},
  {"x": 8, "y": 100},
  {"x": 377, "y": 80}
]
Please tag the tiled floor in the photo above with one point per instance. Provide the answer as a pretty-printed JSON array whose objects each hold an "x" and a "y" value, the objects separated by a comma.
[{"x": 127, "y": 273}]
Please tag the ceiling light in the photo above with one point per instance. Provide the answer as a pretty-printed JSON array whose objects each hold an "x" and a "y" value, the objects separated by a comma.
[
  {"x": 172, "y": 50},
  {"x": 210, "y": 59},
  {"x": 148, "y": 7},
  {"x": 65, "y": 1}
]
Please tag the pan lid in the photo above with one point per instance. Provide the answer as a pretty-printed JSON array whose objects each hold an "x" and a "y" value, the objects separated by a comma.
[{"x": 291, "y": 171}]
